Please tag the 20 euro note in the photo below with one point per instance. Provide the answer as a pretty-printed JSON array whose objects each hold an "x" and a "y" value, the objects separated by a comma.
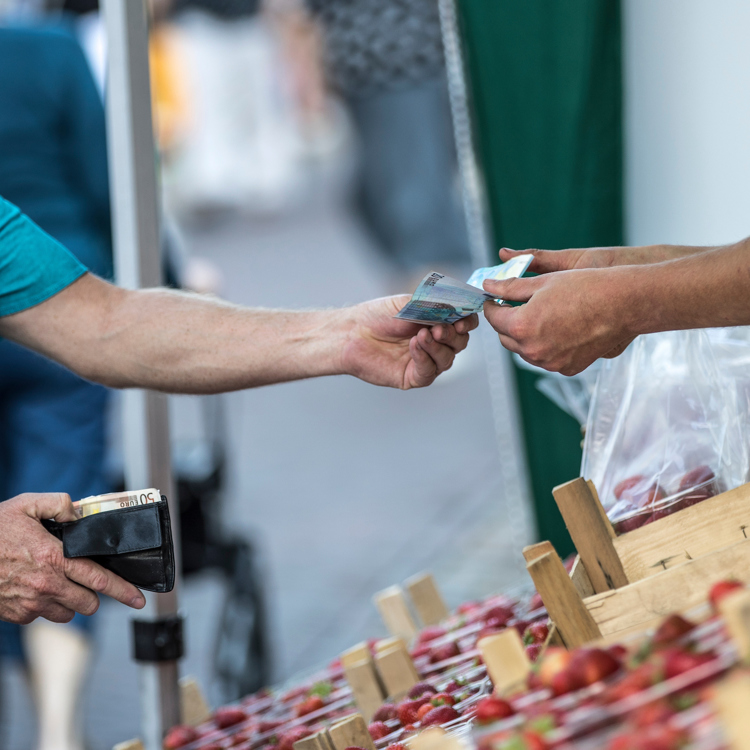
[
  {"x": 87, "y": 506},
  {"x": 441, "y": 299}
]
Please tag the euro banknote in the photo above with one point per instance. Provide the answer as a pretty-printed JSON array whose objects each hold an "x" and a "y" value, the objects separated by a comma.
[
  {"x": 442, "y": 299},
  {"x": 87, "y": 506}
]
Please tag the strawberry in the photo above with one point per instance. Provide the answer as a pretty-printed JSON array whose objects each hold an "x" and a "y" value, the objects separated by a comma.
[
  {"x": 424, "y": 710},
  {"x": 228, "y": 716},
  {"x": 446, "y": 651},
  {"x": 430, "y": 633},
  {"x": 566, "y": 681},
  {"x": 657, "y": 712},
  {"x": 534, "y": 741},
  {"x": 537, "y": 632},
  {"x": 698, "y": 478},
  {"x": 287, "y": 740},
  {"x": 498, "y": 616},
  {"x": 396, "y": 746},
  {"x": 421, "y": 650},
  {"x": 268, "y": 726},
  {"x": 440, "y": 715},
  {"x": 671, "y": 630},
  {"x": 519, "y": 625},
  {"x": 406, "y": 712},
  {"x": 378, "y": 730},
  {"x": 385, "y": 712},
  {"x": 420, "y": 689},
  {"x": 677, "y": 661},
  {"x": 493, "y": 709},
  {"x": 589, "y": 665},
  {"x": 307, "y": 706},
  {"x": 721, "y": 589},
  {"x": 442, "y": 699},
  {"x": 179, "y": 736},
  {"x": 555, "y": 660},
  {"x": 533, "y": 650}
]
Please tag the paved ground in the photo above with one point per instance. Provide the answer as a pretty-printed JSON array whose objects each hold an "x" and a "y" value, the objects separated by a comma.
[{"x": 346, "y": 487}]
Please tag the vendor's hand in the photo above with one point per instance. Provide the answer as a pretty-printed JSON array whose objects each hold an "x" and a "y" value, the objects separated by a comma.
[
  {"x": 35, "y": 579},
  {"x": 384, "y": 350},
  {"x": 549, "y": 261},
  {"x": 569, "y": 320}
]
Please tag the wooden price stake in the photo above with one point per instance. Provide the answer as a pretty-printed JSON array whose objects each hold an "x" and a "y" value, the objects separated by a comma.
[
  {"x": 391, "y": 604},
  {"x": 735, "y": 609},
  {"x": 193, "y": 706},
  {"x": 129, "y": 745},
  {"x": 592, "y": 534},
  {"x": 567, "y": 610},
  {"x": 365, "y": 685},
  {"x": 427, "y": 599},
  {"x": 351, "y": 732},
  {"x": 731, "y": 698},
  {"x": 319, "y": 741},
  {"x": 355, "y": 654},
  {"x": 397, "y": 671},
  {"x": 506, "y": 660},
  {"x": 386, "y": 644}
]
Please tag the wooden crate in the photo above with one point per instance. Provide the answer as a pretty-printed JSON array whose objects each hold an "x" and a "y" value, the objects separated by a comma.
[{"x": 623, "y": 584}]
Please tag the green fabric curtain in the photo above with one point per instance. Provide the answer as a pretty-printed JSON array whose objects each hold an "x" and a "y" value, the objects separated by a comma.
[{"x": 545, "y": 91}]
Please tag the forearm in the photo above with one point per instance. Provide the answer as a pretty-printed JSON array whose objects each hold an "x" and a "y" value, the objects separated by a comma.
[
  {"x": 200, "y": 345},
  {"x": 700, "y": 290}
]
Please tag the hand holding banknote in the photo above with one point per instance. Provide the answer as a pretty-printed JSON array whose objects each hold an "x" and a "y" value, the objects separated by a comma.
[
  {"x": 35, "y": 579},
  {"x": 441, "y": 299}
]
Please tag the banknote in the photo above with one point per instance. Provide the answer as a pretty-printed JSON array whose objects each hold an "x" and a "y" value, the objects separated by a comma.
[
  {"x": 512, "y": 269},
  {"x": 87, "y": 506},
  {"x": 441, "y": 299}
]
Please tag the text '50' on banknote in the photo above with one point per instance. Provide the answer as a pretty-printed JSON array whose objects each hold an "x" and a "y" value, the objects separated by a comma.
[{"x": 115, "y": 501}]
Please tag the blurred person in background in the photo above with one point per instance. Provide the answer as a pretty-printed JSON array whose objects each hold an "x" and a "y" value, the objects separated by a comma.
[
  {"x": 53, "y": 165},
  {"x": 386, "y": 59}
]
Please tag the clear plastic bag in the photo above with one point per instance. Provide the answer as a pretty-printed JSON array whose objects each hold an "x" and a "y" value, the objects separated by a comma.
[{"x": 667, "y": 424}]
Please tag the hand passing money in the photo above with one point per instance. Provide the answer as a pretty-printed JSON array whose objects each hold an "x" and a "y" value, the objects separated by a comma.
[{"x": 441, "y": 299}]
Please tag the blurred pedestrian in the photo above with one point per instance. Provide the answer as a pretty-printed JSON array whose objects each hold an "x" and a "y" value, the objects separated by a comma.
[
  {"x": 386, "y": 58},
  {"x": 53, "y": 165}
]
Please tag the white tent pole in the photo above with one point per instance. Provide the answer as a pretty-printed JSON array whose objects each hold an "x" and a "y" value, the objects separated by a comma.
[{"x": 135, "y": 215}]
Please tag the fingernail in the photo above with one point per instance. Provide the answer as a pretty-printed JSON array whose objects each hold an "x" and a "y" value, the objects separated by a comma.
[
  {"x": 138, "y": 601},
  {"x": 437, "y": 332},
  {"x": 509, "y": 250},
  {"x": 428, "y": 337}
]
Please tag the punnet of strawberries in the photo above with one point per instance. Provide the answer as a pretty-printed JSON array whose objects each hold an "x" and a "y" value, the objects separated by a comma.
[{"x": 648, "y": 693}]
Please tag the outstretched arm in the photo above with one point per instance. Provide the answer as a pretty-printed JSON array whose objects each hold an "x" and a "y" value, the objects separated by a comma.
[
  {"x": 573, "y": 317},
  {"x": 184, "y": 343}
]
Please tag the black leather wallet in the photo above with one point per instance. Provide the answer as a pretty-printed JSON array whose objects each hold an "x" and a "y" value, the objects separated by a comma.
[{"x": 135, "y": 543}]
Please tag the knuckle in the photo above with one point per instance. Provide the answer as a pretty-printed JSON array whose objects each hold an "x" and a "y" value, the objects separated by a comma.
[
  {"x": 90, "y": 607},
  {"x": 98, "y": 580}
]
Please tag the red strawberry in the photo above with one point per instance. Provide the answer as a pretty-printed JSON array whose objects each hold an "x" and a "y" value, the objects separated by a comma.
[
  {"x": 407, "y": 712},
  {"x": 440, "y": 715},
  {"x": 534, "y": 741},
  {"x": 421, "y": 650},
  {"x": 556, "y": 659},
  {"x": 566, "y": 681},
  {"x": 533, "y": 650},
  {"x": 179, "y": 736},
  {"x": 307, "y": 706},
  {"x": 424, "y": 710},
  {"x": 721, "y": 589},
  {"x": 430, "y": 633},
  {"x": 287, "y": 740},
  {"x": 632, "y": 522},
  {"x": 618, "y": 651},
  {"x": 396, "y": 746},
  {"x": 446, "y": 651},
  {"x": 702, "y": 478},
  {"x": 493, "y": 709},
  {"x": 670, "y": 630},
  {"x": 378, "y": 730},
  {"x": 268, "y": 726},
  {"x": 228, "y": 716},
  {"x": 537, "y": 632},
  {"x": 420, "y": 689},
  {"x": 442, "y": 699},
  {"x": 500, "y": 614},
  {"x": 677, "y": 661},
  {"x": 519, "y": 625},
  {"x": 657, "y": 712},
  {"x": 385, "y": 712},
  {"x": 211, "y": 746},
  {"x": 589, "y": 665}
]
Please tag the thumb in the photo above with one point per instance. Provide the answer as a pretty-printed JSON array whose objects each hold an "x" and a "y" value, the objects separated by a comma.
[
  {"x": 54, "y": 505},
  {"x": 513, "y": 290}
]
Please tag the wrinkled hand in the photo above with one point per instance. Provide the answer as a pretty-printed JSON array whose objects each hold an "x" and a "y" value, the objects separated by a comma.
[
  {"x": 35, "y": 579},
  {"x": 383, "y": 350},
  {"x": 570, "y": 318}
]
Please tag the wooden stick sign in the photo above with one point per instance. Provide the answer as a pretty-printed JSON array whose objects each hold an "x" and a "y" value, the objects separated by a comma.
[
  {"x": 351, "y": 732},
  {"x": 397, "y": 671},
  {"x": 426, "y": 598},
  {"x": 394, "y": 610},
  {"x": 506, "y": 660}
]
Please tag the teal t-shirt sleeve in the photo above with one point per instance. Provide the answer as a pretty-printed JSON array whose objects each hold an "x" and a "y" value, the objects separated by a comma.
[{"x": 33, "y": 266}]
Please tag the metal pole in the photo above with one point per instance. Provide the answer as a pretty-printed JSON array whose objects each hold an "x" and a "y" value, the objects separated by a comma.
[
  {"x": 507, "y": 420},
  {"x": 135, "y": 214}
]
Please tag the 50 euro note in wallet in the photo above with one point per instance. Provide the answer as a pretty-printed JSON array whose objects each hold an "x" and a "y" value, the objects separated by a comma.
[
  {"x": 87, "y": 506},
  {"x": 441, "y": 299}
]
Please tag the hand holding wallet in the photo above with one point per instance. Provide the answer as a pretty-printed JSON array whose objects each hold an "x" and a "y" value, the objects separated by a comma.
[{"x": 133, "y": 542}]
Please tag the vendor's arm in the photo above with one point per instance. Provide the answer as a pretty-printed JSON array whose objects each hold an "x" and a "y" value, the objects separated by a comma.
[{"x": 572, "y": 318}]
